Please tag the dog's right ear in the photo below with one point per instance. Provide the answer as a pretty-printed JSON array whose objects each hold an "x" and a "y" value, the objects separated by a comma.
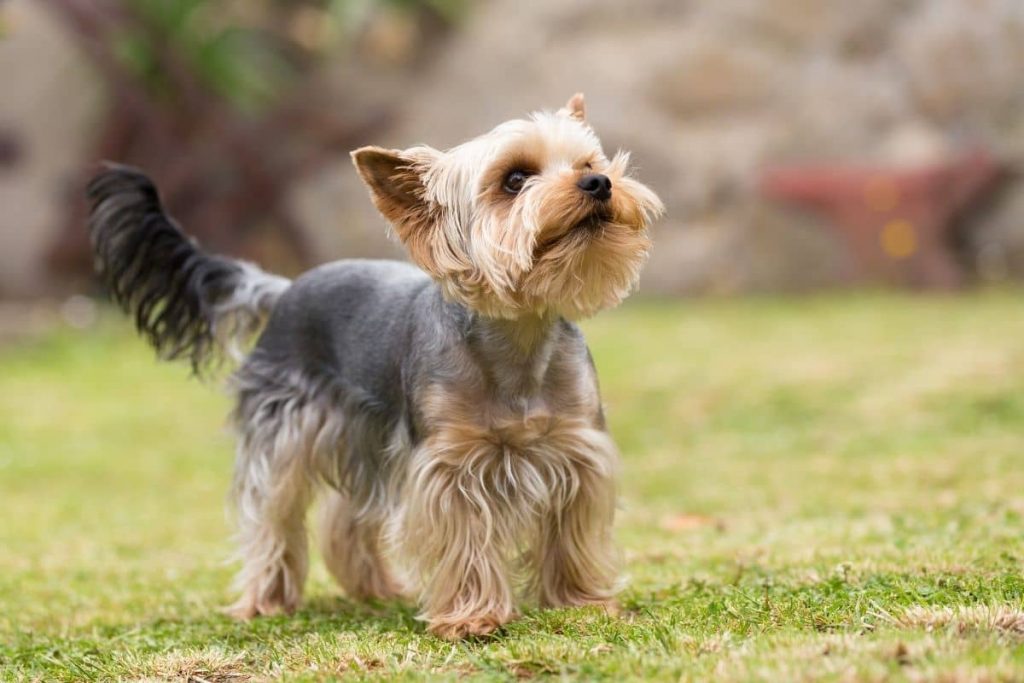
[
  {"x": 397, "y": 182},
  {"x": 575, "y": 108},
  {"x": 395, "y": 179}
]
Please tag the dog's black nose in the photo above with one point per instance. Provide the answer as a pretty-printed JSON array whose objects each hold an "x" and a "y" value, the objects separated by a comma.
[{"x": 597, "y": 185}]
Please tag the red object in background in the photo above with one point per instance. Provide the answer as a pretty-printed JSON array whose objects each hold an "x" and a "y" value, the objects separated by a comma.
[{"x": 896, "y": 222}]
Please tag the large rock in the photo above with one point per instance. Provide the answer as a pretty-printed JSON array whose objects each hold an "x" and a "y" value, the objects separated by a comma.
[{"x": 49, "y": 106}]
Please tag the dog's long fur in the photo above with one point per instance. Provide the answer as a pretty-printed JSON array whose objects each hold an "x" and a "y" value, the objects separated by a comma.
[
  {"x": 185, "y": 302},
  {"x": 449, "y": 414}
]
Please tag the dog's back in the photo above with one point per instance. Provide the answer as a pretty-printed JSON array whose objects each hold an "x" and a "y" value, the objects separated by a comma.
[
  {"x": 350, "y": 319},
  {"x": 338, "y": 345}
]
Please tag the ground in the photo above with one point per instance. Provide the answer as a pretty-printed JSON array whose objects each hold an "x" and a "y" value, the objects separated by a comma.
[{"x": 825, "y": 488}]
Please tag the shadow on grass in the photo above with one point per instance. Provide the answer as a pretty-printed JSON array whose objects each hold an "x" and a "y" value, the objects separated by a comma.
[
  {"x": 102, "y": 650},
  {"x": 319, "y": 615},
  {"x": 340, "y": 611}
]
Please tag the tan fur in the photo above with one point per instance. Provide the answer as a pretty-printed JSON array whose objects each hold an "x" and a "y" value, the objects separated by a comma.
[{"x": 493, "y": 495}]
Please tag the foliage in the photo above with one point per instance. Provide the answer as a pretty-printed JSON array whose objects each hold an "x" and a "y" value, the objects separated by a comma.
[
  {"x": 237, "y": 63},
  {"x": 823, "y": 488},
  {"x": 245, "y": 52}
]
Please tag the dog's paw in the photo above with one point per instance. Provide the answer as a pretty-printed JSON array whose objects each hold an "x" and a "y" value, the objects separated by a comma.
[
  {"x": 381, "y": 588},
  {"x": 243, "y": 610},
  {"x": 582, "y": 599},
  {"x": 249, "y": 608},
  {"x": 457, "y": 629}
]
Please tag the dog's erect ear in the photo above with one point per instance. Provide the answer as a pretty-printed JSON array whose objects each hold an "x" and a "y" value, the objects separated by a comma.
[
  {"x": 575, "y": 108},
  {"x": 398, "y": 188},
  {"x": 395, "y": 179}
]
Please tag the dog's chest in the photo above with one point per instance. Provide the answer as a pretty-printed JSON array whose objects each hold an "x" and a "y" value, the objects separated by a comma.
[{"x": 533, "y": 453}]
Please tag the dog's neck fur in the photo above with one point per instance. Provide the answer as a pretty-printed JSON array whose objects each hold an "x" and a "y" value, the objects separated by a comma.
[{"x": 513, "y": 354}]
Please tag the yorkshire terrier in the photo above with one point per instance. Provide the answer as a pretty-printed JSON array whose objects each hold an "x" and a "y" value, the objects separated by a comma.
[{"x": 448, "y": 411}]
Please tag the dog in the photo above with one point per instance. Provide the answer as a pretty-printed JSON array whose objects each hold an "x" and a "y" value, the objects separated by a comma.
[{"x": 446, "y": 411}]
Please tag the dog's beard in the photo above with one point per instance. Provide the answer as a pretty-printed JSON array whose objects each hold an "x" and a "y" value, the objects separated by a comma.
[
  {"x": 580, "y": 233},
  {"x": 591, "y": 266},
  {"x": 588, "y": 255},
  {"x": 573, "y": 271}
]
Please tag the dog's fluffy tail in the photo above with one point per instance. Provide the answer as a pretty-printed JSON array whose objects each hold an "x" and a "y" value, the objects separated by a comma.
[{"x": 185, "y": 302}]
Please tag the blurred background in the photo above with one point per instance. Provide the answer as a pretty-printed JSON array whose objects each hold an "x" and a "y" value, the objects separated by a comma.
[{"x": 798, "y": 144}]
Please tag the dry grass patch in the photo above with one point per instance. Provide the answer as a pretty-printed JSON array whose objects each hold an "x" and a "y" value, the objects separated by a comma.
[
  {"x": 206, "y": 666},
  {"x": 998, "y": 619}
]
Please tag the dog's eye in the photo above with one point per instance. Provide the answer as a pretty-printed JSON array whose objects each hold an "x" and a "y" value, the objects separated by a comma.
[
  {"x": 514, "y": 181},
  {"x": 589, "y": 166}
]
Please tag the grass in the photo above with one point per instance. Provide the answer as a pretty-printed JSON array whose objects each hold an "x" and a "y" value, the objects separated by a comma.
[{"x": 828, "y": 488}]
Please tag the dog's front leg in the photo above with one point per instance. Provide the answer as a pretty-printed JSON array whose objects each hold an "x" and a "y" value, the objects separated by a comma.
[
  {"x": 575, "y": 559},
  {"x": 456, "y": 539}
]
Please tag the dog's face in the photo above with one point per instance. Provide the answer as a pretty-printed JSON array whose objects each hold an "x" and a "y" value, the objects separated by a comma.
[{"x": 529, "y": 219}]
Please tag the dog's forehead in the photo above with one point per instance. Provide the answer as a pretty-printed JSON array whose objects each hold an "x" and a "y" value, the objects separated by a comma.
[{"x": 548, "y": 138}]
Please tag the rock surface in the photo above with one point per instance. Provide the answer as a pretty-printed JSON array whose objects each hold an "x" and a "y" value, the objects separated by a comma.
[{"x": 49, "y": 109}]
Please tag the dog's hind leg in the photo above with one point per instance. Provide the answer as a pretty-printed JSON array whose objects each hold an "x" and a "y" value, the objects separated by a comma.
[
  {"x": 272, "y": 490},
  {"x": 350, "y": 540}
]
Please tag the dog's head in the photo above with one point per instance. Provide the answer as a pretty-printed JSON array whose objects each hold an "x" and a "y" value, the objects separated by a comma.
[{"x": 530, "y": 218}]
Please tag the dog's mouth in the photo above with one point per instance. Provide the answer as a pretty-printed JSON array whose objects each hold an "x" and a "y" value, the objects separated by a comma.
[{"x": 583, "y": 230}]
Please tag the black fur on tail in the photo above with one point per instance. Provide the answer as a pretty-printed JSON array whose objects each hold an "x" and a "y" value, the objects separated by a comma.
[{"x": 153, "y": 271}]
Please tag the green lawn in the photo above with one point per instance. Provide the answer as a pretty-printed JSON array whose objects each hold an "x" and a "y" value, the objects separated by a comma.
[{"x": 825, "y": 488}]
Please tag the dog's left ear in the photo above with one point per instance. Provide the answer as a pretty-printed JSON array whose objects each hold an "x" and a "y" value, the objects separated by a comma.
[{"x": 575, "y": 108}]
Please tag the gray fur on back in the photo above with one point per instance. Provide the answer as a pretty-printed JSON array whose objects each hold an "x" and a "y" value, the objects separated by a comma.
[{"x": 349, "y": 323}]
